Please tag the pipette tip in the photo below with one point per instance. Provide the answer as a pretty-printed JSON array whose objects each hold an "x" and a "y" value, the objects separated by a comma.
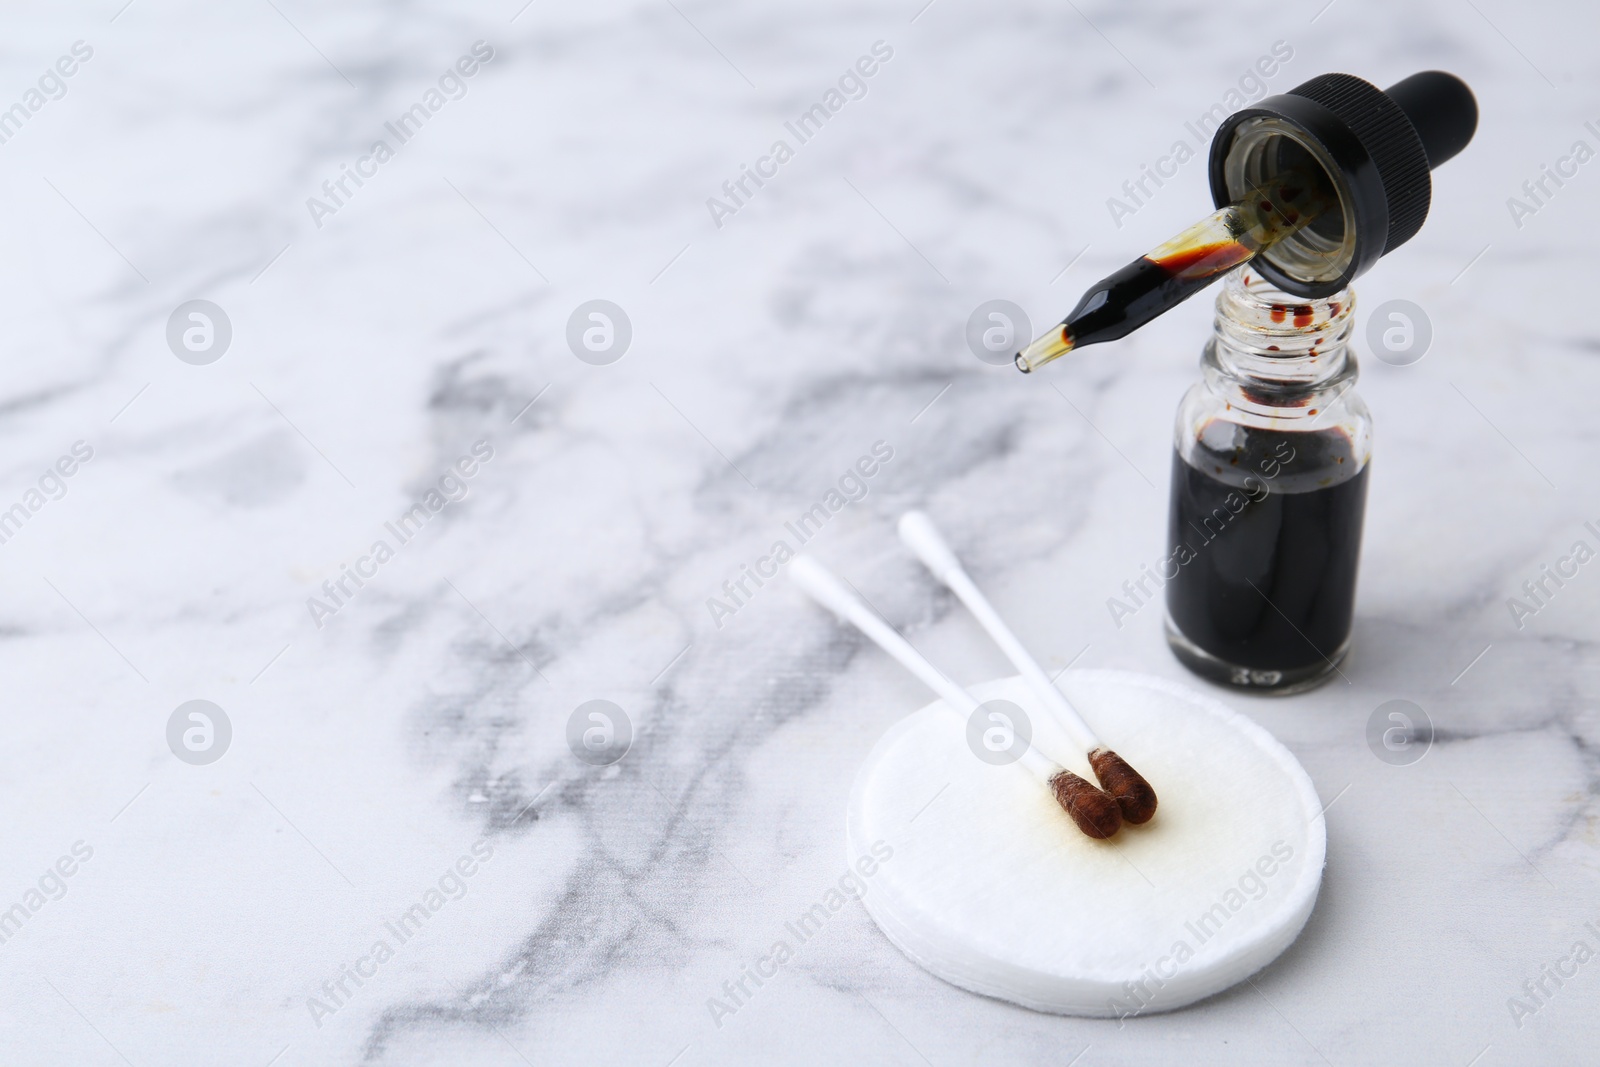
[{"x": 1051, "y": 345}]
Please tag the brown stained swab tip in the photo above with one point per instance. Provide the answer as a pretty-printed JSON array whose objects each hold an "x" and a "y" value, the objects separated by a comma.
[
  {"x": 1095, "y": 813},
  {"x": 1127, "y": 786}
]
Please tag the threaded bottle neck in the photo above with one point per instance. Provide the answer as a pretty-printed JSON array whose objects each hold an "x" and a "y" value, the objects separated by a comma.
[{"x": 1276, "y": 352}]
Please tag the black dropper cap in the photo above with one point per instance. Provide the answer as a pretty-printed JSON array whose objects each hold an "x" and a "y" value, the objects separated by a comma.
[{"x": 1371, "y": 148}]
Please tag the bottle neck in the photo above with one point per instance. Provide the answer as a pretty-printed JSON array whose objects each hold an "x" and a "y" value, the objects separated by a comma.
[{"x": 1276, "y": 355}]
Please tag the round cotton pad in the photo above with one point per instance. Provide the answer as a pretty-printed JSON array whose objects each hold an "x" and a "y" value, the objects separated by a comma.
[{"x": 990, "y": 886}]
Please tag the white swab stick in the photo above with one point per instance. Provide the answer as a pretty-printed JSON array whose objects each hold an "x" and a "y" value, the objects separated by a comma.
[
  {"x": 820, "y": 584},
  {"x": 1097, "y": 814},
  {"x": 924, "y": 540}
]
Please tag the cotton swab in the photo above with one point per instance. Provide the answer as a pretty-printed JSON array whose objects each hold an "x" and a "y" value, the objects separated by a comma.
[
  {"x": 1132, "y": 793},
  {"x": 1096, "y": 814}
]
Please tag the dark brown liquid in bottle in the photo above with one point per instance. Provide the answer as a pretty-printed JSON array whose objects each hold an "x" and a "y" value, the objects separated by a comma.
[{"x": 1273, "y": 532}]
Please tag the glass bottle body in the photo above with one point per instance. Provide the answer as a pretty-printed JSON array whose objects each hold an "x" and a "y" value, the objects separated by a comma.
[{"x": 1269, "y": 480}]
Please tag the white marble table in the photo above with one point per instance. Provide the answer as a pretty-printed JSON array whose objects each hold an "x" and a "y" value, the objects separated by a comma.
[{"x": 419, "y": 721}]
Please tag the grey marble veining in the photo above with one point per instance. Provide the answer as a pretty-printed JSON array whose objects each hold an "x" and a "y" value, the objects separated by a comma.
[{"x": 422, "y": 728}]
